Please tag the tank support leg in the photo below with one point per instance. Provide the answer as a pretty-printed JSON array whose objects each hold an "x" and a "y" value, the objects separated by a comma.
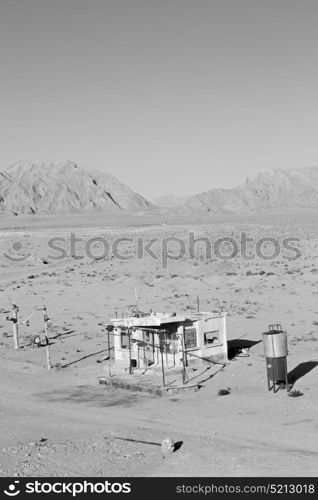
[
  {"x": 274, "y": 375},
  {"x": 286, "y": 374},
  {"x": 268, "y": 376}
]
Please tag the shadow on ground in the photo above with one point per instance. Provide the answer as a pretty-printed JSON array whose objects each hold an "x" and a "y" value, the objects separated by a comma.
[
  {"x": 301, "y": 370},
  {"x": 82, "y": 358},
  {"x": 96, "y": 396},
  {"x": 236, "y": 345}
]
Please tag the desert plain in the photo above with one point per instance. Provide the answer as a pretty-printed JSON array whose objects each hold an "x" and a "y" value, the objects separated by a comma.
[{"x": 62, "y": 422}]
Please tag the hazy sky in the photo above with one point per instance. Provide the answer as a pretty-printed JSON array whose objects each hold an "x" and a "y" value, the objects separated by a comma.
[{"x": 168, "y": 95}]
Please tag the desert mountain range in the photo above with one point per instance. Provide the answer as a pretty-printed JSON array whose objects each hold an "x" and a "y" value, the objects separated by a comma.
[
  {"x": 276, "y": 189},
  {"x": 28, "y": 188}
]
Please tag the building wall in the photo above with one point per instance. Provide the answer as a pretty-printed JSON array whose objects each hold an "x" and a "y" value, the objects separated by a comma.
[
  {"x": 204, "y": 350},
  {"x": 210, "y": 351}
]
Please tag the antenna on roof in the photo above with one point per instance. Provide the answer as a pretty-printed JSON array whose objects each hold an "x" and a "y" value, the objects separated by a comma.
[{"x": 136, "y": 297}]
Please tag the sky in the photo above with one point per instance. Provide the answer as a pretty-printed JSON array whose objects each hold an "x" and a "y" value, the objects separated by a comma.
[{"x": 171, "y": 96}]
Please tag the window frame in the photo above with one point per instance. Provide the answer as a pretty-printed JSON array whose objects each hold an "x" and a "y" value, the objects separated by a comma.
[
  {"x": 191, "y": 330},
  {"x": 216, "y": 335},
  {"x": 124, "y": 334}
]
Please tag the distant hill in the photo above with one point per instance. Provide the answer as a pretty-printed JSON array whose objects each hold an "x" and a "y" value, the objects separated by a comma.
[
  {"x": 27, "y": 188},
  {"x": 276, "y": 189},
  {"x": 170, "y": 200}
]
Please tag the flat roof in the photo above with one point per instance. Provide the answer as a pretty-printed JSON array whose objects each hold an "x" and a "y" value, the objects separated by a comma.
[{"x": 158, "y": 319}]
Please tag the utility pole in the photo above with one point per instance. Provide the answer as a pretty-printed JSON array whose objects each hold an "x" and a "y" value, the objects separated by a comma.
[
  {"x": 162, "y": 362},
  {"x": 129, "y": 348},
  {"x": 184, "y": 361},
  {"x": 109, "y": 329},
  {"x": 47, "y": 341},
  {"x": 15, "y": 322},
  {"x": 136, "y": 297}
]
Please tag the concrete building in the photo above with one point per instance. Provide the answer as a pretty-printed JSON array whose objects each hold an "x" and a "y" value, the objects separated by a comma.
[{"x": 159, "y": 340}]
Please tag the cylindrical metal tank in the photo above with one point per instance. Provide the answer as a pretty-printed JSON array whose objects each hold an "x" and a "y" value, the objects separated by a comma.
[
  {"x": 275, "y": 344},
  {"x": 275, "y": 349},
  {"x": 276, "y": 369}
]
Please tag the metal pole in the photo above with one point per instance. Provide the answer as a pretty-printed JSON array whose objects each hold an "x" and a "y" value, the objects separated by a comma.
[
  {"x": 108, "y": 340},
  {"x": 129, "y": 347},
  {"x": 184, "y": 350},
  {"x": 15, "y": 326},
  {"x": 184, "y": 373},
  {"x": 48, "y": 359},
  {"x": 162, "y": 363},
  {"x": 47, "y": 341},
  {"x": 198, "y": 303}
]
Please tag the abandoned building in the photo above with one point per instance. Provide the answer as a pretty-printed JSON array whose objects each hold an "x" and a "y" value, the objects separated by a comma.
[{"x": 169, "y": 340}]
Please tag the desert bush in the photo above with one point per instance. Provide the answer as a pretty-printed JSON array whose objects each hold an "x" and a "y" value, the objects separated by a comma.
[
  {"x": 295, "y": 394},
  {"x": 224, "y": 392}
]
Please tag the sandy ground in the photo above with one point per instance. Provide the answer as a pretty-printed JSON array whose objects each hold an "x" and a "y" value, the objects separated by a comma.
[{"x": 62, "y": 422}]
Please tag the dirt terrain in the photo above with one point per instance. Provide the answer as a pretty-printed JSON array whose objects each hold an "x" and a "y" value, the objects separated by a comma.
[{"x": 62, "y": 422}]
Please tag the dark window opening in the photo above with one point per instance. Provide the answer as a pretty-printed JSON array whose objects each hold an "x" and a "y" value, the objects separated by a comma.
[
  {"x": 124, "y": 340},
  {"x": 190, "y": 338},
  {"x": 211, "y": 337}
]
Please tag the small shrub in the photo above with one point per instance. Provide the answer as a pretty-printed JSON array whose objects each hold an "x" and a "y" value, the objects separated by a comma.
[
  {"x": 224, "y": 392},
  {"x": 295, "y": 394}
]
